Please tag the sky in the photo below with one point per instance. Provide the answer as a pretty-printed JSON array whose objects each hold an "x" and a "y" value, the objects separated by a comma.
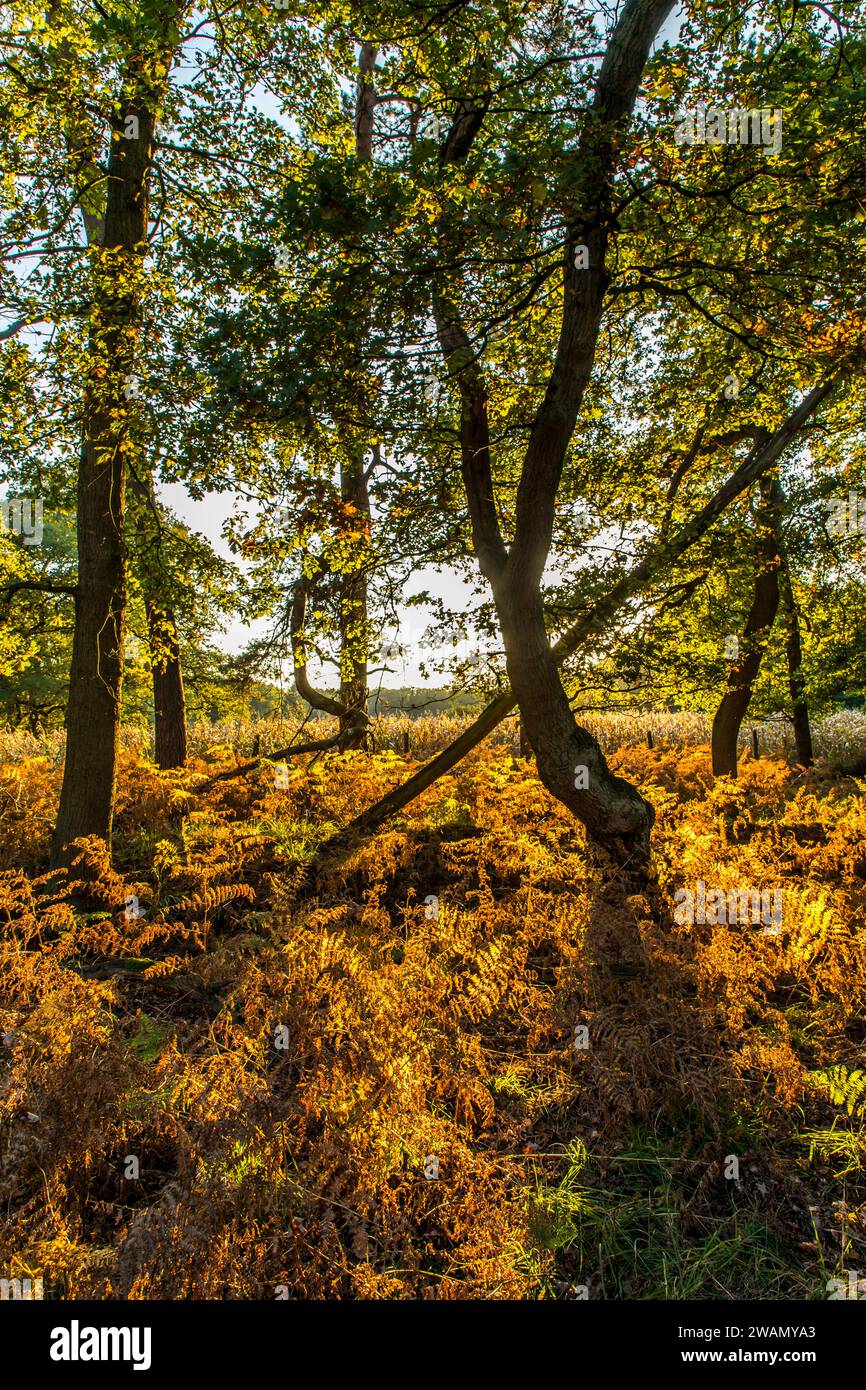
[{"x": 209, "y": 516}]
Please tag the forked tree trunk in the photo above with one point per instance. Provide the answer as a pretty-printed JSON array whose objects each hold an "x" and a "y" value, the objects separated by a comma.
[
  {"x": 93, "y": 711},
  {"x": 570, "y": 762},
  {"x": 762, "y": 614},
  {"x": 169, "y": 704},
  {"x": 352, "y": 724},
  {"x": 660, "y": 558}
]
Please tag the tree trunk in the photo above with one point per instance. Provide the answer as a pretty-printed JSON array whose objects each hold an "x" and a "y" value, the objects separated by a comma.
[
  {"x": 663, "y": 555},
  {"x": 570, "y": 762},
  {"x": 523, "y": 745},
  {"x": 797, "y": 686},
  {"x": 353, "y": 613},
  {"x": 169, "y": 704},
  {"x": 93, "y": 711},
  {"x": 762, "y": 615},
  {"x": 794, "y": 651},
  {"x": 354, "y": 627}
]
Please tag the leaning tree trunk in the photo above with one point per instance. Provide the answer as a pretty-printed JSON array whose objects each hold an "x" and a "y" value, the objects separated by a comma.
[
  {"x": 93, "y": 711},
  {"x": 169, "y": 703},
  {"x": 762, "y": 615}
]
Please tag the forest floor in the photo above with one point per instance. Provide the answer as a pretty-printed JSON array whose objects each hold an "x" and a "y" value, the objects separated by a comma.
[{"x": 474, "y": 1065}]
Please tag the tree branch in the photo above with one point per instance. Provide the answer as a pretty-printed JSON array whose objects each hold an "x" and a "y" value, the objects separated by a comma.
[
  {"x": 303, "y": 686},
  {"x": 584, "y": 288},
  {"x": 317, "y": 746},
  {"x": 664, "y": 553},
  {"x": 41, "y": 586}
]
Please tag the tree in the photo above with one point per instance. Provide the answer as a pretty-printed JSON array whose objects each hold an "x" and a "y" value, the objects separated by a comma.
[
  {"x": 584, "y": 285},
  {"x": 89, "y": 119},
  {"x": 118, "y": 241},
  {"x": 762, "y": 615},
  {"x": 36, "y": 623},
  {"x": 680, "y": 256},
  {"x": 793, "y": 638}
]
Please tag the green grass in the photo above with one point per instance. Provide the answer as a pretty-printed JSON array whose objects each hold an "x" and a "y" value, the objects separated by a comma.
[{"x": 635, "y": 1238}]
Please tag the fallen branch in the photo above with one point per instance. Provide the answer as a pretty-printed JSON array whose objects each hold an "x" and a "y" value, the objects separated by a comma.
[{"x": 293, "y": 751}]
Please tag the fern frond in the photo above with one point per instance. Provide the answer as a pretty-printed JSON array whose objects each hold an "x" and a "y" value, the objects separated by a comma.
[
  {"x": 215, "y": 897},
  {"x": 843, "y": 1087}
]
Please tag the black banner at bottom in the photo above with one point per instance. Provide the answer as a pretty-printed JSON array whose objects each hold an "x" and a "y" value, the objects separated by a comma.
[{"x": 87, "y": 1341}]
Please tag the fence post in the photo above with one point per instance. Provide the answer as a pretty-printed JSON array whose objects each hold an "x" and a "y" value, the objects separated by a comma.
[
  {"x": 405, "y": 742},
  {"x": 756, "y": 750},
  {"x": 650, "y": 742}
]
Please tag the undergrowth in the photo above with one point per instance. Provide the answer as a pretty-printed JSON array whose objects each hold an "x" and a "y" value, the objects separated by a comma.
[{"x": 214, "y": 1086}]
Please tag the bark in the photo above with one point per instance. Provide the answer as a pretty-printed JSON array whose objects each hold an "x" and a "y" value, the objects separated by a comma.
[
  {"x": 761, "y": 616},
  {"x": 353, "y": 613},
  {"x": 570, "y": 762},
  {"x": 667, "y": 550},
  {"x": 354, "y": 626},
  {"x": 169, "y": 704},
  {"x": 794, "y": 653},
  {"x": 93, "y": 712}
]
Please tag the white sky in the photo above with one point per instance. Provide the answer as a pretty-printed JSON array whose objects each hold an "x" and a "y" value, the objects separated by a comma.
[{"x": 209, "y": 516}]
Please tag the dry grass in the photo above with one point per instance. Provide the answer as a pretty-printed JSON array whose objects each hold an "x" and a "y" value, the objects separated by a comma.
[
  {"x": 282, "y": 1069},
  {"x": 839, "y": 738}
]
